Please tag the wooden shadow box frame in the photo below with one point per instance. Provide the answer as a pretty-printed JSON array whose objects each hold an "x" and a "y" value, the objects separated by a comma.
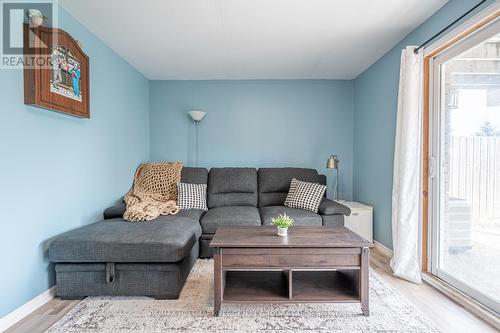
[{"x": 38, "y": 45}]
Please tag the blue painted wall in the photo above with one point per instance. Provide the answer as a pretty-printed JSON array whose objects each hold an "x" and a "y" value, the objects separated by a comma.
[
  {"x": 375, "y": 103},
  {"x": 256, "y": 123},
  {"x": 58, "y": 172}
]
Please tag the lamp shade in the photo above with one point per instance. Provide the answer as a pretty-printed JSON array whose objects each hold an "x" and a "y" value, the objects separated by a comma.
[
  {"x": 332, "y": 162},
  {"x": 197, "y": 115}
]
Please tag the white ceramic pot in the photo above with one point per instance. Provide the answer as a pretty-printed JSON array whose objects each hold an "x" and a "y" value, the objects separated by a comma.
[{"x": 283, "y": 232}]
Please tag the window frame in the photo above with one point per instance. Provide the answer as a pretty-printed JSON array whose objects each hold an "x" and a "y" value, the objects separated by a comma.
[{"x": 474, "y": 30}]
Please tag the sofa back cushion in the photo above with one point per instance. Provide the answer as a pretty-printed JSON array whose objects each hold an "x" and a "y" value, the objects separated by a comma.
[
  {"x": 232, "y": 187},
  {"x": 275, "y": 182},
  {"x": 194, "y": 175}
]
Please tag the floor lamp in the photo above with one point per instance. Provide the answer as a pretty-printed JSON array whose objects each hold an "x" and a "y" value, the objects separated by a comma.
[
  {"x": 333, "y": 163},
  {"x": 197, "y": 116}
]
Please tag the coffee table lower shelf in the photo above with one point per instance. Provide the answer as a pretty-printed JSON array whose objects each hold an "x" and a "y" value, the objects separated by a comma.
[{"x": 291, "y": 286}]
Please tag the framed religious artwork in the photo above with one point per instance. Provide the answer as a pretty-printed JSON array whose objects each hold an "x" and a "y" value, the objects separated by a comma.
[{"x": 56, "y": 71}]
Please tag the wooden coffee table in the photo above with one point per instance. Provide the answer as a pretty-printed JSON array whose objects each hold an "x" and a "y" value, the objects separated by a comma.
[{"x": 312, "y": 264}]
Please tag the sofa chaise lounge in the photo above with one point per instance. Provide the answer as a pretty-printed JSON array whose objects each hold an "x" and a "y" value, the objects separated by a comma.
[{"x": 116, "y": 257}]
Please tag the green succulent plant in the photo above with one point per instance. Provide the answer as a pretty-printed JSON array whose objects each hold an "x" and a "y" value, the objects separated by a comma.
[{"x": 282, "y": 221}]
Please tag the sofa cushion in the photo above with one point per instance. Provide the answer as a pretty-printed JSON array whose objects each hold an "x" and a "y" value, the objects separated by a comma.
[
  {"x": 300, "y": 216},
  {"x": 232, "y": 187},
  {"x": 274, "y": 183},
  {"x": 194, "y": 175},
  {"x": 165, "y": 239},
  {"x": 229, "y": 215}
]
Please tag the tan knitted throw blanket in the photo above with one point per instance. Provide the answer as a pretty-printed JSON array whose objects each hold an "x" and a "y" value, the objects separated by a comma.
[{"x": 154, "y": 191}]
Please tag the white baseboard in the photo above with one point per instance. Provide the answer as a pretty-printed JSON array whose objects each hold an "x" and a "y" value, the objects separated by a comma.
[
  {"x": 382, "y": 249},
  {"x": 27, "y": 308}
]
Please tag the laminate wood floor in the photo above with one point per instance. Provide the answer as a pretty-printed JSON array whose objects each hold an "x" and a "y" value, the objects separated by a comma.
[{"x": 447, "y": 314}]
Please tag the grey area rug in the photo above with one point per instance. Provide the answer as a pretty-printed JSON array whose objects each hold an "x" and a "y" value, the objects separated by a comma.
[{"x": 192, "y": 312}]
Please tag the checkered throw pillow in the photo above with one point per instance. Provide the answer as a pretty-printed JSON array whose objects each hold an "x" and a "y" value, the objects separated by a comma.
[
  {"x": 307, "y": 196},
  {"x": 291, "y": 191},
  {"x": 192, "y": 196}
]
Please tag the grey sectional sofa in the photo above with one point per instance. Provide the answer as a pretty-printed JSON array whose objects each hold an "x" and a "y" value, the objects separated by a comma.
[{"x": 115, "y": 257}]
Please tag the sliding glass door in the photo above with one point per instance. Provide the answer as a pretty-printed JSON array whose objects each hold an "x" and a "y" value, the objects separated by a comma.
[{"x": 465, "y": 166}]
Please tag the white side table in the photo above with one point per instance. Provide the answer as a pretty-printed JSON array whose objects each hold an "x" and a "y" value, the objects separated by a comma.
[{"x": 361, "y": 219}]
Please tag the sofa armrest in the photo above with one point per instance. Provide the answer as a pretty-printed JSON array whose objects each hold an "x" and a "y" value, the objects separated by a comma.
[
  {"x": 114, "y": 211},
  {"x": 329, "y": 207}
]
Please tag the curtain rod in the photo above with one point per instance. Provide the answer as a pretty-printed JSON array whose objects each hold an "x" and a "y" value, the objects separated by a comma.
[{"x": 448, "y": 26}]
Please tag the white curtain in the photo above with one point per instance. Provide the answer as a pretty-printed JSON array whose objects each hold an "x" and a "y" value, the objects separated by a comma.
[{"x": 407, "y": 166}]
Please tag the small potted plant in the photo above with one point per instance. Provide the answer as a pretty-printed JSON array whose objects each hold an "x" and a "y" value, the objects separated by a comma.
[{"x": 282, "y": 222}]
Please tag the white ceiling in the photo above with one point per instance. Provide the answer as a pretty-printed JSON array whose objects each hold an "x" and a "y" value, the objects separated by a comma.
[{"x": 251, "y": 39}]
